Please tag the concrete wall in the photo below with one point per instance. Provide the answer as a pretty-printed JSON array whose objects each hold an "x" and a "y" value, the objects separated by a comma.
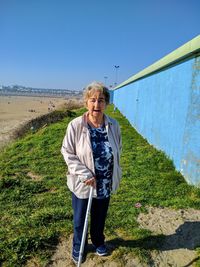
[{"x": 164, "y": 107}]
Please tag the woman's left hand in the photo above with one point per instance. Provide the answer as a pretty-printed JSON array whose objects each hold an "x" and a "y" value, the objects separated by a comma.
[{"x": 91, "y": 182}]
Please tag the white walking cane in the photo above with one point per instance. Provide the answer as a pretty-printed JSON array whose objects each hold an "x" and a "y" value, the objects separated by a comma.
[{"x": 85, "y": 227}]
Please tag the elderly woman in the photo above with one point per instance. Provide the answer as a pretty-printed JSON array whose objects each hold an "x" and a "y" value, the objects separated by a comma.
[{"x": 91, "y": 149}]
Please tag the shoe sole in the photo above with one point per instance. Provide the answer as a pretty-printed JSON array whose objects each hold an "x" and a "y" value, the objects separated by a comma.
[
  {"x": 75, "y": 261},
  {"x": 102, "y": 254}
]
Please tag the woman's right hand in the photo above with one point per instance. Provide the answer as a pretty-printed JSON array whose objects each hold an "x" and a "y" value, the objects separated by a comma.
[{"x": 91, "y": 182}]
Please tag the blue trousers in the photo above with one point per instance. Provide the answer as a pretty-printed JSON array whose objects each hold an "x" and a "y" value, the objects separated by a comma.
[{"x": 97, "y": 220}]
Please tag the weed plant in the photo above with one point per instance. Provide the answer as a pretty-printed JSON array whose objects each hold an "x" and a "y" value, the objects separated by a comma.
[{"x": 35, "y": 204}]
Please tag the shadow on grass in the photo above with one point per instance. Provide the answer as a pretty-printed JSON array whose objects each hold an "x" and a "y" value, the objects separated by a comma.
[{"x": 186, "y": 236}]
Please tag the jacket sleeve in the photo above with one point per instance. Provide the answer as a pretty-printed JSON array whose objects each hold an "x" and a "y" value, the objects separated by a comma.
[
  {"x": 120, "y": 140},
  {"x": 119, "y": 137},
  {"x": 68, "y": 150}
]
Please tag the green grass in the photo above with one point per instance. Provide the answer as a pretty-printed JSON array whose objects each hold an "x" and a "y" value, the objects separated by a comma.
[{"x": 36, "y": 212}]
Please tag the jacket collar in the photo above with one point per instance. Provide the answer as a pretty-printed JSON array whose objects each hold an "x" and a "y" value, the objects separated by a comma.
[{"x": 106, "y": 118}]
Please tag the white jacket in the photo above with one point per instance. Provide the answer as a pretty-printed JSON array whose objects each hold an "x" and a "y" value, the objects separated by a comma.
[{"x": 77, "y": 152}]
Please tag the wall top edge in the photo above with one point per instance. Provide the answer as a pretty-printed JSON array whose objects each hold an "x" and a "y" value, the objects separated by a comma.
[{"x": 184, "y": 51}]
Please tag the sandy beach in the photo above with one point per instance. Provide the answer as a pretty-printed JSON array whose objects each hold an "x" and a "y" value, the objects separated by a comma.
[{"x": 15, "y": 110}]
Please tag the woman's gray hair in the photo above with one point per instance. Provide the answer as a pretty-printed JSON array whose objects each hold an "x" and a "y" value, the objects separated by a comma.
[{"x": 93, "y": 87}]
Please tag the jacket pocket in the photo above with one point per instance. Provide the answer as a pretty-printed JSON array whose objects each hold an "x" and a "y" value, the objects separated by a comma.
[
  {"x": 72, "y": 181},
  {"x": 77, "y": 187}
]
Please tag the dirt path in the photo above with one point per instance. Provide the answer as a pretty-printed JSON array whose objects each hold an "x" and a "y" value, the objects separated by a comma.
[
  {"x": 182, "y": 234},
  {"x": 62, "y": 258}
]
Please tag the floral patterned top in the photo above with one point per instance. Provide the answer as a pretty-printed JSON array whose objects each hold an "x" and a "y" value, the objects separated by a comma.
[{"x": 103, "y": 160}]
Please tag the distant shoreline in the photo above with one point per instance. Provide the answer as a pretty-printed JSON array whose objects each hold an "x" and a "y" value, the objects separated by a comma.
[
  {"x": 19, "y": 90},
  {"x": 78, "y": 96}
]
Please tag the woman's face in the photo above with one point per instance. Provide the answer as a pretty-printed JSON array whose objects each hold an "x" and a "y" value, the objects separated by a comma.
[{"x": 96, "y": 104}]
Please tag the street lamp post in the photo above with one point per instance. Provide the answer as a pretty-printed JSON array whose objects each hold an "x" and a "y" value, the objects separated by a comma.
[
  {"x": 116, "y": 68},
  {"x": 105, "y": 78}
]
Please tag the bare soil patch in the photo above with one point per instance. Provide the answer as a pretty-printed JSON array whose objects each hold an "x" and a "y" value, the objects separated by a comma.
[
  {"x": 181, "y": 230},
  {"x": 34, "y": 176}
]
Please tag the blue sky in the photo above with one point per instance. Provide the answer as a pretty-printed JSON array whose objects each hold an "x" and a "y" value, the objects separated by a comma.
[{"x": 69, "y": 43}]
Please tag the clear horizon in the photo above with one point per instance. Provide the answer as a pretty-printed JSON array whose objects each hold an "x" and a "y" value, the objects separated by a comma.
[{"x": 67, "y": 44}]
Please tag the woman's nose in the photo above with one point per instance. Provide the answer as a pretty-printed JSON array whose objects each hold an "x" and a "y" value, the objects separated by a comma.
[{"x": 96, "y": 103}]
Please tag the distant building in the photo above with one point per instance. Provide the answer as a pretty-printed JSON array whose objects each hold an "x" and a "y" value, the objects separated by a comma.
[{"x": 29, "y": 91}]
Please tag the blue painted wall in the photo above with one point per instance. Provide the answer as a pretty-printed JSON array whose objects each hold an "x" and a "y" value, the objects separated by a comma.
[{"x": 165, "y": 109}]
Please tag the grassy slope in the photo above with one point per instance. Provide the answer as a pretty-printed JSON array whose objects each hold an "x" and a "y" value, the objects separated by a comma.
[{"x": 35, "y": 204}]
